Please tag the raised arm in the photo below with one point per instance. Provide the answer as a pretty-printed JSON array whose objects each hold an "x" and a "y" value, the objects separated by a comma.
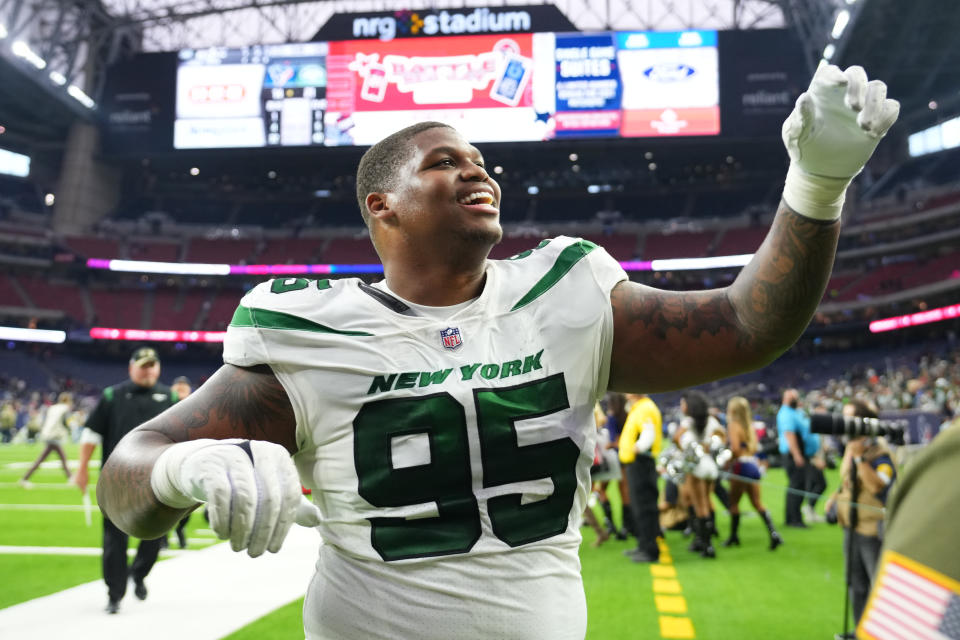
[
  {"x": 248, "y": 404},
  {"x": 668, "y": 340},
  {"x": 673, "y": 339}
]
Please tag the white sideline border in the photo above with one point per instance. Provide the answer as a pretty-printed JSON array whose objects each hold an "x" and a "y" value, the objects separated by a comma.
[{"x": 199, "y": 595}]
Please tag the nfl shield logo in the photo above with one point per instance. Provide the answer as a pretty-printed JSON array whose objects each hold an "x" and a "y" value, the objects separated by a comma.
[{"x": 450, "y": 337}]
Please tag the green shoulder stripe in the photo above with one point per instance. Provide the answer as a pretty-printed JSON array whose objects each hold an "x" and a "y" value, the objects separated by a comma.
[
  {"x": 108, "y": 394},
  {"x": 265, "y": 319},
  {"x": 565, "y": 261}
]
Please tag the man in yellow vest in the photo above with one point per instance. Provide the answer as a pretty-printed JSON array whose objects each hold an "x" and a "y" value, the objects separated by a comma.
[{"x": 640, "y": 443}]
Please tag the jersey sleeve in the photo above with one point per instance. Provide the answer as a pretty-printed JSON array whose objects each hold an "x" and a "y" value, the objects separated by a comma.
[
  {"x": 607, "y": 273},
  {"x": 244, "y": 345},
  {"x": 606, "y": 270}
]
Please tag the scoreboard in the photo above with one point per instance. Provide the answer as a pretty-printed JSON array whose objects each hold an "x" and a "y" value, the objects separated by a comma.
[{"x": 507, "y": 87}]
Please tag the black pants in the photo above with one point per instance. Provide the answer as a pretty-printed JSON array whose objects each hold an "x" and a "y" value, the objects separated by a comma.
[
  {"x": 797, "y": 484},
  {"x": 862, "y": 566},
  {"x": 816, "y": 483},
  {"x": 115, "y": 571},
  {"x": 642, "y": 480}
]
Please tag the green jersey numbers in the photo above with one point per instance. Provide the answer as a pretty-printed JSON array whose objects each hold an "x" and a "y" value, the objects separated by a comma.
[
  {"x": 444, "y": 477},
  {"x": 444, "y": 480},
  {"x": 284, "y": 285},
  {"x": 504, "y": 462}
]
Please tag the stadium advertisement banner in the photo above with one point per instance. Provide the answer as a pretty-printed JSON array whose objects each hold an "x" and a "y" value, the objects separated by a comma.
[
  {"x": 251, "y": 97},
  {"x": 670, "y": 83},
  {"x": 483, "y": 85},
  {"x": 492, "y": 87},
  {"x": 138, "y": 103},
  {"x": 587, "y": 85},
  {"x": 387, "y": 25},
  {"x": 758, "y": 91}
]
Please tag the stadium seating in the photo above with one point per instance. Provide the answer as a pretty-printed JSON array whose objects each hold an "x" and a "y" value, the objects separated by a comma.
[
  {"x": 346, "y": 250},
  {"x": 9, "y": 296},
  {"x": 55, "y": 296},
  {"x": 118, "y": 308},
  {"x": 290, "y": 251},
  {"x": 683, "y": 244},
  {"x": 177, "y": 309},
  {"x": 168, "y": 251},
  {"x": 740, "y": 240},
  {"x": 227, "y": 251},
  {"x": 93, "y": 246}
]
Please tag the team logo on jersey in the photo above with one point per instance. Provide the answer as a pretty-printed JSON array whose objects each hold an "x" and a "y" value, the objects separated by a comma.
[{"x": 450, "y": 337}]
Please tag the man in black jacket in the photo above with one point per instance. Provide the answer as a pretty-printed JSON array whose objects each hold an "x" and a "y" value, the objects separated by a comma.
[{"x": 123, "y": 407}]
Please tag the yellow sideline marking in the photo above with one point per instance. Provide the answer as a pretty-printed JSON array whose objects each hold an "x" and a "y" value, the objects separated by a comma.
[
  {"x": 673, "y": 627},
  {"x": 666, "y": 588},
  {"x": 671, "y": 604},
  {"x": 663, "y": 570},
  {"x": 663, "y": 585}
]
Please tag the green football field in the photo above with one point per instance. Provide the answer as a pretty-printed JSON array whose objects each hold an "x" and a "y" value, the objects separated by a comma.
[{"x": 747, "y": 593}]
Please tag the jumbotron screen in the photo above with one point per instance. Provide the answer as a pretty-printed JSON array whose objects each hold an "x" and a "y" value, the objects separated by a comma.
[{"x": 492, "y": 88}]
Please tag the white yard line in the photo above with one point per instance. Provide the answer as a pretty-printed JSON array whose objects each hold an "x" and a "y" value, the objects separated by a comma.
[
  {"x": 40, "y": 485},
  {"x": 199, "y": 595},
  {"x": 76, "y": 551},
  {"x": 45, "y": 507}
]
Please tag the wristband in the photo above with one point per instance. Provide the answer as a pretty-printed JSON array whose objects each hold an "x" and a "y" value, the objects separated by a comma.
[
  {"x": 165, "y": 478},
  {"x": 813, "y": 196},
  {"x": 857, "y": 459}
]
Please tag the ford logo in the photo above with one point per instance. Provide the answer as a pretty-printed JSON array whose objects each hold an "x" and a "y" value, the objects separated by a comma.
[{"x": 668, "y": 72}]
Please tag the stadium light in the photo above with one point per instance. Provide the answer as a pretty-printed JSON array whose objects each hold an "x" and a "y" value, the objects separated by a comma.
[
  {"x": 32, "y": 335},
  {"x": 58, "y": 78},
  {"x": 686, "y": 264},
  {"x": 156, "y": 335},
  {"x": 842, "y": 19},
  {"x": 533, "y": 189},
  {"x": 77, "y": 94},
  {"x": 23, "y": 50},
  {"x": 914, "y": 319}
]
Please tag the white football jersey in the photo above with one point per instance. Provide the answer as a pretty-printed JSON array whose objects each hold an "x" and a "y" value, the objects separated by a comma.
[{"x": 450, "y": 458}]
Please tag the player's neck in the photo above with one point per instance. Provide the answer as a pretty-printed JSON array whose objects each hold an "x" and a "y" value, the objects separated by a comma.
[{"x": 436, "y": 287}]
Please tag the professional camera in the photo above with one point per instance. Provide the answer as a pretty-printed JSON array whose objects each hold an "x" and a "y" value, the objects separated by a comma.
[{"x": 837, "y": 424}]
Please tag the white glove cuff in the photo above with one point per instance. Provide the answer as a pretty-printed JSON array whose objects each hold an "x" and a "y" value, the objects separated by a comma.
[
  {"x": 165, "y": 479},
  {"x": 817, "y": 197}
]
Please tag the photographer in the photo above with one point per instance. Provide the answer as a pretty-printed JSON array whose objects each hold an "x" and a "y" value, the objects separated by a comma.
[{"x": 867, "y": 472}]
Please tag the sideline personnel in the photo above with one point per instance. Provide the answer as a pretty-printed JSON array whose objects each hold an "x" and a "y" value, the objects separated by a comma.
[
  {"x": 121, "y": 408},
  {"x": 640, "y": 443}
]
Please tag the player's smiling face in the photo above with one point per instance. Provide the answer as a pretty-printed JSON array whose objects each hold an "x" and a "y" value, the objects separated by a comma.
[{"x": 445, "y": 188}]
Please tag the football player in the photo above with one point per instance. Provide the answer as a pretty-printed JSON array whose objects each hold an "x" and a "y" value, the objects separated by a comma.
[{"x": 443, "y": 417}]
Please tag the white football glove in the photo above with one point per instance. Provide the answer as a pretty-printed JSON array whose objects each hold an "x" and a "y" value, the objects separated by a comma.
[
  {"x": 834, "y": 128},
  {"x": 251, "y": 488}
]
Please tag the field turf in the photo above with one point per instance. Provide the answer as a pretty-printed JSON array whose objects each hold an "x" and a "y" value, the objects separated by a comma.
[{"x": 748, "y": 592}]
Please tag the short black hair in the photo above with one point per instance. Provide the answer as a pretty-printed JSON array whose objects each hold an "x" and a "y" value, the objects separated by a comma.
[{"x": 379, "y": 165}]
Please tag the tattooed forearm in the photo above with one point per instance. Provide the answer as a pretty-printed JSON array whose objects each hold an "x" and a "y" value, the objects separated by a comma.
[
  {"x": 776, "y": 295},
  {"x": 236, "y": 402},
  {"x": 124, "y": 493},
  {"x": 671, "y": 339}
]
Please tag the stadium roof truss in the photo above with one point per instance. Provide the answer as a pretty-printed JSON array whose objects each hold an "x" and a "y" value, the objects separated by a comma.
[
  {"x": 71, "y": 43},
  {"x": 76, "y": 39}
]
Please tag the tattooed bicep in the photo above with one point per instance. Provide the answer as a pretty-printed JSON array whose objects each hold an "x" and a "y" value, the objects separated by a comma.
[{"x": 236, "y": 402}]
